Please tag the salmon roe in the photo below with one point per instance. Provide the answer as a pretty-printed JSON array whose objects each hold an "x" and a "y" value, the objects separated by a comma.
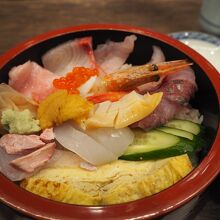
[{"x": 74, "y": 79}]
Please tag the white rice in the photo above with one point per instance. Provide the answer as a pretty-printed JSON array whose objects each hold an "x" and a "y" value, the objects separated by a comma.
[{"x": 191, "y": 115}]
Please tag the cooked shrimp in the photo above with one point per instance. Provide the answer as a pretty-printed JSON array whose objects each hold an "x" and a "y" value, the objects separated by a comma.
[{"x": 128, "y": 79}]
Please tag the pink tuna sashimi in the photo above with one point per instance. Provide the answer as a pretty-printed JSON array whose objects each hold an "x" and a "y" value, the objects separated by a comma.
[
  {"x": 47, "y": 135},
  {"x": 32, "y": 80},
  {"x": 150, "y": 86},
  {"x": 178, "y": 89},
  {"x": 29, "y": 163},
  {"x": 112, "y": 55},
  {"x": 8, "y": 170},
  {"x": 165, "y": 111},
  {"x": 19, "y": 158},
  {"x": 63, "y": 58},
  {"x": 17, "y": 143},
  {"x": 186, "y": 74},
  {"x": 20, "y": 166}
]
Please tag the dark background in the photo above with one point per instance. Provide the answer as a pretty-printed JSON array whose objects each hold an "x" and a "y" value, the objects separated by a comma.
[{"x": 23, "y": 19}]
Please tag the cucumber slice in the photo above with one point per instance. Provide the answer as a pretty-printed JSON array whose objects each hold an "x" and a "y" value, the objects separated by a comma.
[
  {"x": 156, "y": 144},
  {"x": 198, "y": 141},
  {"x": 154, "y": 137},
  {"x": 185, "y": 125},
  {"x": 177, "y": 132}
]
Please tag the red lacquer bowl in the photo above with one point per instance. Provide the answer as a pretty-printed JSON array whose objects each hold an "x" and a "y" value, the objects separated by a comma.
[{"x": 206, "y": 100}]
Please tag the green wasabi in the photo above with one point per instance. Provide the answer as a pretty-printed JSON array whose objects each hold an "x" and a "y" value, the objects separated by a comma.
[{"x": 19, "y": 122}]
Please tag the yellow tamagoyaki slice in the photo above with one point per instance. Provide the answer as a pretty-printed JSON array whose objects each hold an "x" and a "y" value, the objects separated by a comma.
[{"x": 116, "y": 182}]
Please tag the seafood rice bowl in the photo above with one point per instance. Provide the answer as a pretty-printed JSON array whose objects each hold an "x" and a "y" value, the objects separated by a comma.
[{"x": 103, "y": 117}]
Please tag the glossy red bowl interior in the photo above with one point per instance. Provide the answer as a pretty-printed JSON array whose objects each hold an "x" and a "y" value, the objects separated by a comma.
[{"x": 207, "y": 100}]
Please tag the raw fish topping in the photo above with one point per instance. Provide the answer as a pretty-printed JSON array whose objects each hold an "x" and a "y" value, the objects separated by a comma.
[
  {"x": 32, "y": 80},
  {"x": 84, "y": 108},
  {"x": 63, "y": 58}
]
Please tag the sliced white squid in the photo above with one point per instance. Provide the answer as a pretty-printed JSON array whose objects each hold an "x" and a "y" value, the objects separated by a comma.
[
  {"x": 115, "y": 140},
  {"x": 83, "y": 145}
]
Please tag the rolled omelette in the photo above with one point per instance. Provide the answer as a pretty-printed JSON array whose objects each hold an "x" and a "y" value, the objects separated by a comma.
[{"x": 117, "y": 182}]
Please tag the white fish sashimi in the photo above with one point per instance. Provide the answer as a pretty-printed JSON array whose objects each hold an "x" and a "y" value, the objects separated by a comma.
[
  {"x": 83, "y": 145},
  {"x": 112, "y": 55},
  {"x": 64, "y": 57},
  {"x": 157, "y": 56},
  {"x": 64, "y": 158},
  {"x": 107, "y": 57},
  {"x": 115, "y": 140}
]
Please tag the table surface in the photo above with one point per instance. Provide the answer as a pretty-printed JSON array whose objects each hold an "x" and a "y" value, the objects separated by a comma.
[{"x": 23, "y": 19}]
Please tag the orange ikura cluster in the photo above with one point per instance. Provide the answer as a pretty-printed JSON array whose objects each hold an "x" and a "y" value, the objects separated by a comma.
[{"x": 73, "y": 80}]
